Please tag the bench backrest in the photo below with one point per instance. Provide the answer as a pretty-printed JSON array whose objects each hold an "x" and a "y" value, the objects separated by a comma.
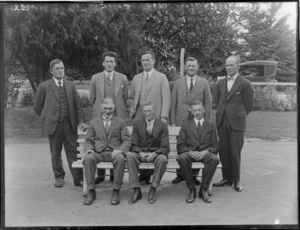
[{"x": 173, "y": 133}]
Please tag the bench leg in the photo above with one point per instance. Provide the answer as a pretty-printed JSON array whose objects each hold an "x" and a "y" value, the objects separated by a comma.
[
  {"x": 85, "y": 189},
  {"x": 209, "y": 190}
]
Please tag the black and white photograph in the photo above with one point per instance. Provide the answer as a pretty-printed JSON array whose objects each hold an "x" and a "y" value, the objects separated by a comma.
[{"x": 120, "y": 114}]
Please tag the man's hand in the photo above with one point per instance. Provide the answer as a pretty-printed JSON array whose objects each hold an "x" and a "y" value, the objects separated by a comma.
[
  {"x": 163, "y": 119},
  {"x": 83, "y": 126},
  {"x": 151, "y": 156},
  {"x": 201, "y": 155},
  {"x": 143, "y": 156},
  {"x": 115, "y": 152},
  {"x": 193, "y": 154}
]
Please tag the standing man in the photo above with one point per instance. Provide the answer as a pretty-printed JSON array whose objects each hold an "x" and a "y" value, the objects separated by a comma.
[
  {"x": 150, "y": 85},
  {"x": 197, "y": 141},
  {"x": 186, "y": 91},
  {"x": 235, "y": 101},
  {"x": 59, "y": 105},
  {"x": 108, "y": 140},
  {"x": 150, "y": 143},
  {"x": 112, "y": 84}
]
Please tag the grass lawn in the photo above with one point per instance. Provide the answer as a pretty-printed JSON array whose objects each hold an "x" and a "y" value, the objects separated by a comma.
[{"x": 22, "y": 124}]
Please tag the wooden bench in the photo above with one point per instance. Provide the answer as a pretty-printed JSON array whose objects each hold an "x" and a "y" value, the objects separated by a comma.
[{"x": 172, "y": 163}]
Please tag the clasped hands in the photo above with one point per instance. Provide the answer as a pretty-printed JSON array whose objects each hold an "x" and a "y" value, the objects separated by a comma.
[
  {"x": 198, "y": 155},
  {"x": 83, "y": 126},
  {"x": 148, "y": 157}
]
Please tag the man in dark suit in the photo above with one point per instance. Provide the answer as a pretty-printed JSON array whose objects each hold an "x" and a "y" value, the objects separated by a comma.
[
  {"x": 112, "y": 84},
  {"x": 108, "y": 140},
  {"x": 150, "y": 85},
  {"x": 150, "y": 143},
  {"x": 235, "y": 101},
  {"x": 197, "y": 141},
  {"x": 59, "y": 105},
  {"x": 186, "y": 91}
]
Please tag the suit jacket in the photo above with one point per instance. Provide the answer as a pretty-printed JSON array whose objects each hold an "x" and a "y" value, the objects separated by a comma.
[
  {"x": 181, "y": 102},
  {"x": 118, "y": 137},
  {"x": 160, "y": 142},
  {"x": 188, "y": 138},
  {"x": 158, "y": 91},
  {"x": 97, "y": 93},
  {"x": 238, "y": 103},
  {"x": 46, "y": 105}
]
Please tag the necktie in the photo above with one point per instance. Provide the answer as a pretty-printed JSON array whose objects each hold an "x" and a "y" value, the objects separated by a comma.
[
  {"x": 147, "y": 76},
  {"x": 108, "y": 79},
  {"x": 149, "y": 127},
  {"x": 59, "y": 84},
  {"x": 199, "y": 130},
  {"x": 106, "y": 126},
  {"x": 199, "y": 125},
  {"x": 191, "y": 86}
]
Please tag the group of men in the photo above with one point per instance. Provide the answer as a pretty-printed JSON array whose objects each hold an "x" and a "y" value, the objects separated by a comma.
[{"x": 148, "y": 103}]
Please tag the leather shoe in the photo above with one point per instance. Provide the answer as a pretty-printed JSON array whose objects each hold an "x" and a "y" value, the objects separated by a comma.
[
  {"x": 59, "y": 182},
  {"x": 204, "y": 195},
  {"x": 137, "y": 195},
  {"x": 152, "y": 195},
  {"x": 115, "y": 199},
  {"x": 196, "y": 181},
  {"x": 177, "y": 180},
  {"x": 99, "y": 179},
  {"x": 78, "y": 184},
  {"x": 238, "y": 186},
  {"x": 222, "y": 183},
  {"x": 192, "y": 195},
  {"x": 91, "y": 196}
]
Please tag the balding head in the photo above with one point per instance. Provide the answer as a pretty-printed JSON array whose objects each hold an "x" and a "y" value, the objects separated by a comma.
[{"x": 107, "y": 107}]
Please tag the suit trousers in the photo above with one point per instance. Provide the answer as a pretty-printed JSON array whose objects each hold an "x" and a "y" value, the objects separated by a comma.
[
  {"x": 64, "y": 135},
  {"x": 210, "y": 162},
  {"x": 133, "y": 161},
  {"x": 231, "y": 143},
  {"x": 90, "y": 165}
]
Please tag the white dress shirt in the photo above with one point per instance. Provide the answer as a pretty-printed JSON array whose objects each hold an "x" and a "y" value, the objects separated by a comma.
[
  {"x": 149, "y": 73},
  {"x": 230, "y": 81},
  {"x": 110, "y": 75},
  {"x": 61, "y": 82},
  {"x": 150, "y": 125},
  {"x": 107, "y": 121},
  {"x": 197, "y": 121}
]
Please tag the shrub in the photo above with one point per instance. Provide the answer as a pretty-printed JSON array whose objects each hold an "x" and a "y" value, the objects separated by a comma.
[
  {"x": 85, "y": 101},
  {"x": 27, "y": 98}
]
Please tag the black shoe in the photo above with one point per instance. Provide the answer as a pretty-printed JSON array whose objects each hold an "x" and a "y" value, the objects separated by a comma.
[
  {"x": 196, "y": 181},
  {"x": 204, "y": 195},
  {"x": 192, "y": 196},
  {"x": 99, "y": 179},
  {"x": 222, "y": 183},
  {"x": 115, "y": 199},
  {"x": 238, "y": 186},
  {"x": 59, "y": 182},
  {"x": 137, "y": 195},
  {"x": 78, "y": 184},
  {"x": 177, "y": 180},
  {"x": 152, "y": 195},
  {"x": 91, "y": 196}
]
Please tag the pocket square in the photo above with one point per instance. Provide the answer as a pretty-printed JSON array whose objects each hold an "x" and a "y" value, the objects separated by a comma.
[{"x": 237, "y": 93}]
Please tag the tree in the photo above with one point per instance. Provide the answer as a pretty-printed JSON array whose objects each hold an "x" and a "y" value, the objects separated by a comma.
[{"x": 267, "y": 38}]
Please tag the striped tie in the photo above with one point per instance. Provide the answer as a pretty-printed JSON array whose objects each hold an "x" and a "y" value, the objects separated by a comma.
[
  {"x": 59, "y": 84},
  {"x": 147, "y": 76},
  {"x": 108, "y": 79}
]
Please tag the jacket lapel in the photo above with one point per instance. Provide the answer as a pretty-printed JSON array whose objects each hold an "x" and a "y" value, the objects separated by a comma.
[
  {"x": 151, "y": 80},
  {"x": 193, "y": 127},
  {"x": 68, "y": 89},
  {"x": 184, "y": 88},
  {"x": 155, "y": 128},
  {"x": 204, "y": 130},
  {"x": 101, "y": 82},
  {"x": 117, "y": 84},
  {"x": 111, "y": 127},
  {"x": 234, "y": 87},
  {"x": 54, "y": 88}
]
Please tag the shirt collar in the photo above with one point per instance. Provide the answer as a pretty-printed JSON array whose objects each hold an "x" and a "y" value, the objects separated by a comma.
[
  {"x": 201, "y": 121},
  {"x": 189, "y": 78},
  {"x": 112, "y": 73},
  {"x": 61, "y": 81},
  {"x": 107, "y": 119},
  {"x": 150, "y": 122},
  {"x": 232, "y": 78},
  {"x": 149, "y": 73}
]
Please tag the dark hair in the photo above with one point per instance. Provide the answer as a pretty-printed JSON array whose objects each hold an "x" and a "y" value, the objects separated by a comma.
[
  {"x": 191, "y": 59},
  {"x": 197, "y": 102},
  {"x": 109, "y": 54},
  {"x": 54, "y": 62},
  {"x": 148, "y": 52}
]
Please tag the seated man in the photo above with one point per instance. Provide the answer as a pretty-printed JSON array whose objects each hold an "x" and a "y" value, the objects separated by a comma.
[
  {"x": 150, "y": 143},
  {"x": 107, "y": 140},
  {"x": 197, "y": 141}
]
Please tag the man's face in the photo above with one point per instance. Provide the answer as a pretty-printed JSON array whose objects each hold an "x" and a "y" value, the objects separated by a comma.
[
  {"x": 58, "y": 70},
  {"x": 198, "y": 111},
  {"x": 107, "y": 109},
  {"x": 147, "y": 62},
  {"x": 109, "y": 63},
  {"x": 232, "y": 67},
  {"x": 191, "y": 68},
  {"x": 149, "y": 112}
]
